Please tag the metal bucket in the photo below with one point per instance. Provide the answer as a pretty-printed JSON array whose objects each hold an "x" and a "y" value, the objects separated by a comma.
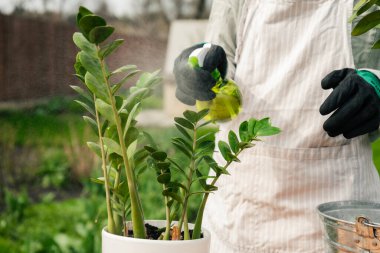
[{"x": 351, "y": 226}]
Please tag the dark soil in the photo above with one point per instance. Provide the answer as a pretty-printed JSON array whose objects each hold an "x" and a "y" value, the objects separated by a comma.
[{"x": 153, "y": 232}]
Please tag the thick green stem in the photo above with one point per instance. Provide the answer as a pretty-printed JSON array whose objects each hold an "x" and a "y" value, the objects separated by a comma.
[
  {"x": 136, "y": 211},
  {"x": 183, "y": 218},
  {"x": 119, "y": 225},
  {"x": 111, "y": 223},
  {"x": 167, "y": 229},
  {"x": 198, "y": 221},
  {"x": 186, "y": 233}
]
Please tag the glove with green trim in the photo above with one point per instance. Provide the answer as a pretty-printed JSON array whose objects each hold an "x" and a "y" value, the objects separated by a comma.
[{"x": 355, "y": 101}]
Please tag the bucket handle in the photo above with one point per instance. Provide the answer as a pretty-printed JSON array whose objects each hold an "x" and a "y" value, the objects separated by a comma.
[{"x": 368, "y": 235}]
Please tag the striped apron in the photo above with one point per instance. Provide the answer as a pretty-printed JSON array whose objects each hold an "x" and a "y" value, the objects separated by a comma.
[{"x": 268, "y": 202}]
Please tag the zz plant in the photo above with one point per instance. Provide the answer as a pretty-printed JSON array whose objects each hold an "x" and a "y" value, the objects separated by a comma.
[{"x": 112, "y": 115}]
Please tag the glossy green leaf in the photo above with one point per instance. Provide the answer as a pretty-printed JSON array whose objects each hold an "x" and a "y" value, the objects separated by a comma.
[
  {"x": 97, "y": 88},
  {"x": 148, "y": 80},
  {"x": 211, "y": 188},
  {"x": 183, "y": 131},
  {"x": 150, "y": 149},
  {"x": 178, "y": 167},
  {"x": 164, "y": 178},
  {"x": 105, "y": 110},
  {"x": 99, "y": 180},
  {"x": 92, "y": 65},
  {"x": 91, "y": 123},
  {"x": 131, "y": 116},
  {"x": 131, "y": 136},
  {"x": 100, "y": 33},
  {"x": 191, "y": 116},
  {"x": 376, "y": 45},
  {"x": 79, "y": 69},
  {"x": 184, "y": 122},
  {"x": 176, "y": 185},
  {"x": 112, "y": 146},
  {"x": 225, "y": 151},
  {"x": 201, "y": 179},
  {"x": 243, "y": 131},
  {"x": 201, "y": 114},
  {"x": 173, "y": 195},
  {"x": 89, "y": 22},
  {"x": 95, "y": 148},
  {"x": 251, "y": 127},
  {"x": 81, "y": 13},
  {"x": 366, "y": 23},
  {"x": 182, "y": 149},
  {"x": 183, "y": 142},
  {"x": 83, "y": 44},
  {"x": 110, "y": 48},
  {"x": 119, "y": 84},
  {"x": 233, "y": 141},
  {"x": 159, "y": 155},
  {"x": 123, "y": 69},
  {"x": 366, "y": 7},
  {"x": 83, "y": 93},
  {"x": 86, "y": 106},
  {"x": 264, "y": 128}
]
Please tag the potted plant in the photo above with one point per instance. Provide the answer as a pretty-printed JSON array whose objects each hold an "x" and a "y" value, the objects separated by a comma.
[{"x": 119, "y": 144}]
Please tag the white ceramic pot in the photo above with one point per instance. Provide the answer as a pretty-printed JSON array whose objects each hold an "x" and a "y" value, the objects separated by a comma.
[{"x": 120, "y": 244}]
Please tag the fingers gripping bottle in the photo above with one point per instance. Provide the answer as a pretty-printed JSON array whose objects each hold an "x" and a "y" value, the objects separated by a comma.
[{"x": 227, "y": 103}]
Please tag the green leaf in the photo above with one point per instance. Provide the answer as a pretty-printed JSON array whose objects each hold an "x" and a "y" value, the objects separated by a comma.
[
  {"x": 178, "y": 167},
  {"x": 83, "y": 93},
  {"x": 163, "y": 166},
  {"x": 119, "y": 84},
  {"x": 89, "y": 22},
  {"x": 112, "y": 146},
  {"x": 225, "y": 151},
  {"x": 99, "y": 180},
  {"x": 91, "y": 123},
  {"x": 243, "y": 131},
  {"x": 376, "y": 45},
  {"x": 184, "y": 122},
  {"x": 148, "y": 80},
  {"x": 132, "y": 115},
  {"x": 182, "y": 149},
  {"x": 233, "y": 141},
  {"x": 366, "y": 7},
  {"x": 173, "y": 195},
  {"x": 264, "y": 128},
  {"x": 366, "y": 23},
  {"x": 202, "y": 114},
  {"x": 164, "y": 178},
  {"x": 211, "y": 188},
  {"x": 96, "y": 87},
  {"x": 150, "y": 149},
  {"x": 159, "y": 155},
  {"x": 83, "y": 44},
  {"x": 81, "y": 13},
  {"x": 191, "y": 116},
  {"x": 95, "y": 148},
  {"x": 126, "y": 68},
  {"x": 201, "y": 179},
  {"x": 105, "y": 110},
  {"x": 92, "y": 65},
  {"x": 135, "y": 97},
  {"x": 100, "y": 33},
  {"x": 79, "y": 69},
  {"x": 87, "y": 107},
  {"x": 131, "y": 136},
  {"x": 183, "y": 142},
  {"x": 175, "y": 185},
  {"x": 110, "y": 48},
  {"x": 183, "y": 132},
  {"x": 251, "y": 127}
]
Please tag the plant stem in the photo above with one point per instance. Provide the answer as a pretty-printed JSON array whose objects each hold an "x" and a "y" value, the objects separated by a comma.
[
  {"x": 167, "y": 229},
  {"x": 119, "y": 225},
  {"x": 136, "y": 211},
  {"x": 198, "y": 221},
  {"x": 187, "y": 193},
  {"x": 186, "y": 233},
  {"x": 111, "y": 223}
]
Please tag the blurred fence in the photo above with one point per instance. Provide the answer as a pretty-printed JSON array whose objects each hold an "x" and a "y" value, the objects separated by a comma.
[{"x": 37, "y": 57}]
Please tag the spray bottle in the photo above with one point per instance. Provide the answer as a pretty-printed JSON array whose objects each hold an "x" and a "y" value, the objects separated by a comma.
[{"x": 227, "y": 103}]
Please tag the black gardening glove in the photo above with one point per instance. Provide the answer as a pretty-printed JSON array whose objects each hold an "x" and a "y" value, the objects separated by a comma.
[
  {"x": 195, "y": 84},
  {"x": 355, "y": 102}
]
